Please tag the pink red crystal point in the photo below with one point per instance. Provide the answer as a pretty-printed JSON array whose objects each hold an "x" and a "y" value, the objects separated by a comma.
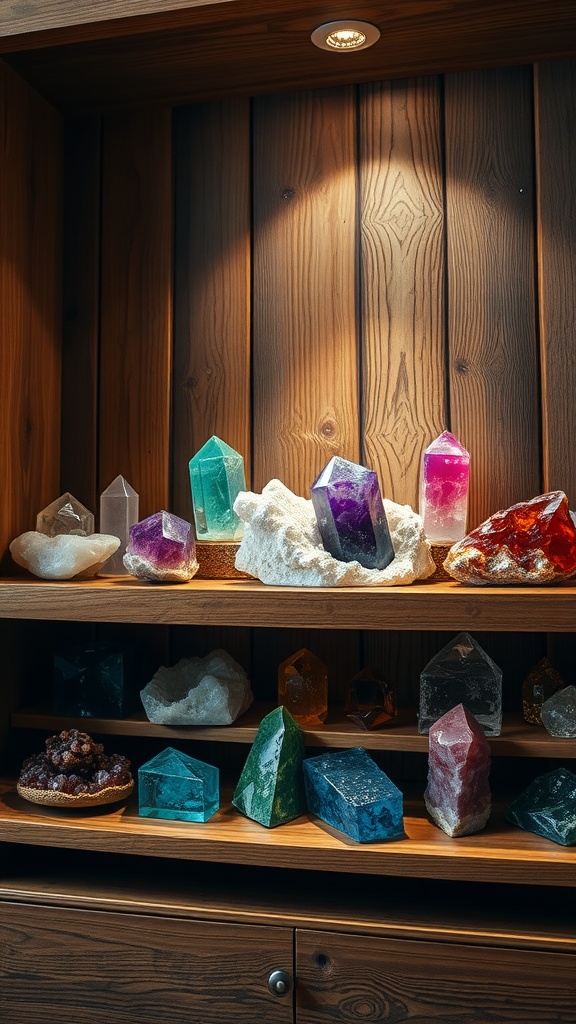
[
  {"x": 458, "y": 792},
  {"x": 531, "y": 542}
]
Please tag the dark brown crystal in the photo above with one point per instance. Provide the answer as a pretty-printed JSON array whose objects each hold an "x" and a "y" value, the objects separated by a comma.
[{"x": 73, "y": 763}]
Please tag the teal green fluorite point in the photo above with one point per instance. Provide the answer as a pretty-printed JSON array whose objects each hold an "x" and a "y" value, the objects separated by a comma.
[
  {"x": 216, "y": 479},
  {"x": 178, "y": 787},
  {"x": 271, "y": 786}
]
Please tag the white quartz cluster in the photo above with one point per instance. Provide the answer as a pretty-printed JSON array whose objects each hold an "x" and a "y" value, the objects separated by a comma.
[
  {"x": 64, "y": 556},
  {"x": 214, "y": 690},
  {"x": 282, "y": 545}
]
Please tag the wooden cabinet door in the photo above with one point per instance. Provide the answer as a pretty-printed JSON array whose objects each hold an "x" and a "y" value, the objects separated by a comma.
[
  {"x": 351, "y": 978},
  {"x": 108, "y": 968}
]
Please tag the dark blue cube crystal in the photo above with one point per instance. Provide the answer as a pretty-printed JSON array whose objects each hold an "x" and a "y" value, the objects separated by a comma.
[
  {"x": 99, "y": 680},
  {"x": 347, "y": 790},
  {"x": 547, "y": 807},
  {"x": 350, "y": 514}
]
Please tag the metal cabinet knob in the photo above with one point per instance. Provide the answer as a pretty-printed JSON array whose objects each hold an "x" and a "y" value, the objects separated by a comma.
[{"x": 279, "y": 983}]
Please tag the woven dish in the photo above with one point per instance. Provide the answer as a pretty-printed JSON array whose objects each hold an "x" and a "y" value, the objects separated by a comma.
[{"x": 53, "y": 798}]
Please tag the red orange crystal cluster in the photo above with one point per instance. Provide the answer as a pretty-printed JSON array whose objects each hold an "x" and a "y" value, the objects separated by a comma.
[{"x": 531, "y": 542}]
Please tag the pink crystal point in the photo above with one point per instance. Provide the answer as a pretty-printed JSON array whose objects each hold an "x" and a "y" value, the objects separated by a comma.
[
  {"x": 458, "y": 793},
  {"x": 444, "y": 489},
  {"x": 531, "y": 542}
]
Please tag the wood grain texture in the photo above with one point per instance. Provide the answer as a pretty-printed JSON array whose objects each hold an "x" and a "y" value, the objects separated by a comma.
[
  {"x": 493, "y": 380},
  {"x": 442, "y": 606},
  {"x": 81, "y": 319},
  {"x": 500, "y": 853},
  {"x": 136, "y": 331},
  {"x": 555, "y": 93},
  {"x": 450, "y": 912},
  {"x": 517, "y": 739},
  {"x": 402, "y": 281},
  {"x": 50, "y": 14},
  {"x": 254, "y": 46},
  {"x": 305, "y": 387},
  {"x": 123, "y": 968},
  {"x": 211, "y": 390},
  {"x": 344, "y": 978},
  {"x": 30, "y": 305}
]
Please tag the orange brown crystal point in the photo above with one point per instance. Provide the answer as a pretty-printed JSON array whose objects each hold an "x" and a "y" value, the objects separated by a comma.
[{"x": 531, "y": 542}]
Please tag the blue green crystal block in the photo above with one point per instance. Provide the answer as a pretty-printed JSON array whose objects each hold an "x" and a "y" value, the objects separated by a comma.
[
  {"x": 271, "y": 787},
  {"x": 216, "y": 479},
  {"x": 547, "y": 807},
  {"x": 178, "y": 787},
  {"x": 99, "y": 680},
  {"x": 347, "y": 790}
]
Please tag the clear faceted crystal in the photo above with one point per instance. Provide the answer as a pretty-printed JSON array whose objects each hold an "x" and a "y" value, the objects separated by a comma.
[
  {"x": 558, "y": 713},
  {"x": 178, "y": 787},
  {"x": 350, "y": 514},
  {"x": 444, "y": 489},
  {"x": 118, "y": 512},
  {"x": 461, "y": 673},
  {"x": 216, "y": 479},
  {"x": 65, "y": 515}
]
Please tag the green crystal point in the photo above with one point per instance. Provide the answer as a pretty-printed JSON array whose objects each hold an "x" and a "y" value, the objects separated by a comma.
[
  {"x": 216, "y": 479},
  {"x": 271, "y": 787}
]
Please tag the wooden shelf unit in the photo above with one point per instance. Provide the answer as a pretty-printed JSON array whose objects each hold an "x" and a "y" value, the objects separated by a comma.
[{"x": 208, "y": 226}]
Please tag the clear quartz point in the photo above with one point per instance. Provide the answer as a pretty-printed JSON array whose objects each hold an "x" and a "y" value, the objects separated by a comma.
[
  {"x": 119, "y": 505},
  {"x": 65, "y": 515}
]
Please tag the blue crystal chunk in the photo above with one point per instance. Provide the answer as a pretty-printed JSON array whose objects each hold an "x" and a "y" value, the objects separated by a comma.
[
  {"x": 347, "y": 790},
  {"x": 100, "y": 680},
  {"x": 547, "y": 807},
  {"x": 178, "y": 787},
  {"x": 461, "y": 673},
  {"x": 216, "y": 479},
  {"x": 350, "y": 514}
]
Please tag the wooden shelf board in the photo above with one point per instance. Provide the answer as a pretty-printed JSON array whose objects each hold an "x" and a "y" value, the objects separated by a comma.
[
  {"x": 401, "y": 734},
  {"x": 209, "y": 50},
  {"x": 421, "y": 606},
  {"x": 465, "y": 913},
  {"x": 501, "y": 853}
]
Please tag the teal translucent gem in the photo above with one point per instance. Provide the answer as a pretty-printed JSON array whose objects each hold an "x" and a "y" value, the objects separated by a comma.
[
  {"x": 178, "y": 787},
  {"x": 271, "y": 786},
  {"x": 216, "y": 479},
  {"x": 347, "y": 790}
]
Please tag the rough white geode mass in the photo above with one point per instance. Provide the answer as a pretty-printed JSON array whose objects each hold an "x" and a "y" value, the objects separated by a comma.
[
  {"x": 64, "y": 556},
  {"x": 214, "y": 690},
  {"x": 282, "y": 545}
]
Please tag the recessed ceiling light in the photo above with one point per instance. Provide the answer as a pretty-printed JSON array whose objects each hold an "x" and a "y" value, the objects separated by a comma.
[{"x": 345, "y": 36}]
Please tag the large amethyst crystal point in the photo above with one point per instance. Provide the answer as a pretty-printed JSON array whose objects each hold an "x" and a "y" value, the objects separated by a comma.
[
  {"x": 458, "y": 794},
  {"x": 350, "y": 513},
  {"x": 532, "y": 542},
  {"x": 162, "y": 549}
]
